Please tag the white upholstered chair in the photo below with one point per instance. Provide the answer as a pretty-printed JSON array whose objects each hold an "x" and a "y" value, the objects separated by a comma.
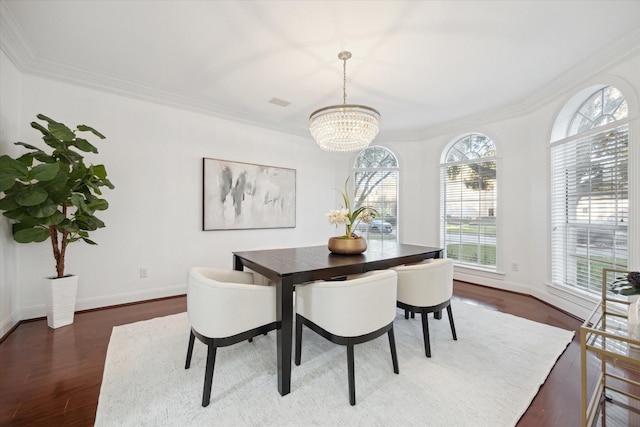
[
  {"x": 225, "y": 307},
  {"x": 349, "y": 312},
  {"x": 426, "y": 287}
]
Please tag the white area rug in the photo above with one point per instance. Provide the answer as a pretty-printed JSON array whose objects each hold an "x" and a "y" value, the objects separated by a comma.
[{"x": 486, "y": 378}]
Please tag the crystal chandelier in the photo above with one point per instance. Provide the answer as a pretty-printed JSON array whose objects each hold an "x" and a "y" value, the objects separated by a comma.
[{"x": 346, "y": 127}]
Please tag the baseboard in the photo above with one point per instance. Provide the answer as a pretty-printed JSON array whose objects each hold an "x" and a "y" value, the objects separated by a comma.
[
  {"x": 8, "y": 324},
  {"x": 37, "y": 311},
  {"x": 579, "y": 307}
]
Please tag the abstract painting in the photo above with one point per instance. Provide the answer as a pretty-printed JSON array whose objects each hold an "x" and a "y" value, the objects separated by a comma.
[{"x": 243, "y": 195}]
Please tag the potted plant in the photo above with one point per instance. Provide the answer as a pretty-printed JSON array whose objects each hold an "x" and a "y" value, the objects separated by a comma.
[
  {"x": 349, "y": 243},
  {"x": 54, "y": 195},
  {"x": 629, "y": 286}
]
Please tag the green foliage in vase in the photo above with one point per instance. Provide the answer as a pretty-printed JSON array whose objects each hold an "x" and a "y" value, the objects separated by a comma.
[
  {"x": 627, "y": 285},
  {"x": 54, "y": 195}
]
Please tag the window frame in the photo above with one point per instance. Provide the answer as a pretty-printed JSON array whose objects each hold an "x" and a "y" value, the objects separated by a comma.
[
  {"x": 564, "y": 266},
  {"x": 444, "y": 165},
  {"x": 394, "y": 169}
]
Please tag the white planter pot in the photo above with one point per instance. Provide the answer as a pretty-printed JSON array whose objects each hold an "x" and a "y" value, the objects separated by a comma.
[{"x": 61, "y": 300}]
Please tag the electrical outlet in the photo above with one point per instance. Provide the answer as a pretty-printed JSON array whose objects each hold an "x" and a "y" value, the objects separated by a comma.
[
  {"x": 144, "y": 272},
  {"x": 514, "y": 266}
]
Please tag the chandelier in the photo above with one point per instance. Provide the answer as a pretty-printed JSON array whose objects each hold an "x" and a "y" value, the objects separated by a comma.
[{"x": 346, "y": 127}]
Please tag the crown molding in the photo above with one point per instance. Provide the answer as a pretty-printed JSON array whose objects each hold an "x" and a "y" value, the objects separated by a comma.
[
  {"x": 568, "y": 83},
  {"x": 25, "y": 57}
]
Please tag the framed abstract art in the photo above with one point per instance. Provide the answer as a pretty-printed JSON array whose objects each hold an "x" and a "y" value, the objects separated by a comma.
[{"x": 244, "y": 196}]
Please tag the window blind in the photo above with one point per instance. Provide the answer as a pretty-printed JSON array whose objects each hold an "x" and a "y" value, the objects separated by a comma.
[
  {"x": 469, "y": 208},
  {"x": 589, "y": 206}
]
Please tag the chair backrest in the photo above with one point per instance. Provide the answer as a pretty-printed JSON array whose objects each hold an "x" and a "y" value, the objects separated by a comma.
[
  {"x": 425, "y": 284},
  {"x": 222, "y": 303},
  {"x": 353, "y": 307}
]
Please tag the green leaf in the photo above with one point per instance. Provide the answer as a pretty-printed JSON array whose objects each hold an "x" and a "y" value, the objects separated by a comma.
[
  {"x": 53, "y": 142},
  {"x": 45, "y": 172},
  {"x": 61, "y": 131},
  {"x": 70, "y": 157},
  {"x": 28, "y": 235},
  {"x": 58, "y": 182},
  {"x": 85, "y": 128},
  {"x": 45, "y": 118},
  {"x": 43, "y": 157},
  {"x": 98, "y": 170},
  {"x": 19, "y": 214},
  {"x": 39, "y": 127},
  {"x": 98, "y": 205},
  {"x": 42, "y": 210},
  {"x": 29, "y": 146},
  {"x": 89, "y": 222},
  {"x": 89, "y": 241},
  {"x": 10, "y": 171},
  {"x": 84, "y": 145},
  {"x": 31, "y": 195},
  {"x": 54, "y": 219},
  {"x": 69, "y": 226},
  {"x": 78, "y": 201},
  {"x": 8, "y": 203}
]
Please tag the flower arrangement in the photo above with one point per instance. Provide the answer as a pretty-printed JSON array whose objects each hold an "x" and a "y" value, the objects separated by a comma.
[{"x": 349, "y": 218}]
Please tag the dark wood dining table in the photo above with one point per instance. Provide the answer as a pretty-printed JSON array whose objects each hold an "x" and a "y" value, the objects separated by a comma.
[{"x": 290, "y": 266}]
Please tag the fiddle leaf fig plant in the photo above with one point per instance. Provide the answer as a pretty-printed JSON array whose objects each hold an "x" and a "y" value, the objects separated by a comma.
[{"x": 52, "y": 194}]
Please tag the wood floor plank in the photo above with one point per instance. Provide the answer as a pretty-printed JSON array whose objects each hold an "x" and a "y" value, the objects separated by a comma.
[{"x": 52, "y": 377}]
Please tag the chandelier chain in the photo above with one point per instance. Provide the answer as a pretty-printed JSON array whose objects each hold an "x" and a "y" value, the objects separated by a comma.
[{"x": 344, "y": 81}]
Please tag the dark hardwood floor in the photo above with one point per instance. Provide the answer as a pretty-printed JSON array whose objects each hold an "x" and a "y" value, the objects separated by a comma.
[{"x": 52, "y": 377}]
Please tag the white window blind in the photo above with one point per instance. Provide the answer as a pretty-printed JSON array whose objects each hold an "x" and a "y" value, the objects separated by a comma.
[
  {"x": 469, "y": 202},
  {"x": 589, "y": 206},
  {"x": 375, "y": 183}
]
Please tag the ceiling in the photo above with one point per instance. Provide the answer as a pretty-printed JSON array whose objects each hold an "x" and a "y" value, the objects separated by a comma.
[{"x": 422, "y": 64}]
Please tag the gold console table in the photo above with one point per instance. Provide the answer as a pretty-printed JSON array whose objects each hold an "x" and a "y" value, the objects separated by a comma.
[{"x": 615, "y": 399}]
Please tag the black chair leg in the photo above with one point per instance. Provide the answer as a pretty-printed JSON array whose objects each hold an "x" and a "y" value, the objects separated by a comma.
[
  {"x": 453, "y": 327},
  {"x": 425, "y": 333},
  {"x": 394, "y": 355},
  {"x": 298, "y": 340},
  {"x": 208, "y": 375},
  {"x": 192, "y": 338},
  {"x": 437, "y": 315},
  {"x": 406, "y": 313},
  {"x": 351, "y": 373}
]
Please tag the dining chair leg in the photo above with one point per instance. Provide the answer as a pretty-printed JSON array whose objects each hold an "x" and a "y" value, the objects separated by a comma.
[
  {"x": 406, "y": 313},
  {"x": 453, "y": 327},
  {"x": 425, "y": 333},
  {"x": 298, "y": 340},
  {"x": 192, "y": 338},
  {"x": 208, "y": 375},
  {"x": 394, "y": 354},
  {"x": 351, "y": 373}
]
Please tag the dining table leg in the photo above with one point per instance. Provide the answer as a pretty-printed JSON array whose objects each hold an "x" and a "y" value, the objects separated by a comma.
[{"x": 284, "y": 312}]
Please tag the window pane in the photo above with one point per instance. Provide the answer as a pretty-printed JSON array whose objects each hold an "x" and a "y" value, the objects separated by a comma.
[
  {"x": 469, "y": 201},
  {"x": 376, "y": 185},
  {"x": 589, "y": 207}
]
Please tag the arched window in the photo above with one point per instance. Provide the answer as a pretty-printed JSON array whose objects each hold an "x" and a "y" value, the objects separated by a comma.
[
  {"x": 375, "y": 178},
  {"x": 468, "y": 191},
  {"x": 590, "y": 192}
]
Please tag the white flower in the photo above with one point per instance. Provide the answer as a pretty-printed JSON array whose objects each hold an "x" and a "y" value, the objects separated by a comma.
[{"x": 339, "y": 216}]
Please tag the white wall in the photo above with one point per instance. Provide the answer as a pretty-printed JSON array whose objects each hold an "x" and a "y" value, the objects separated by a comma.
[
  {"x": 523, "y": 181},
  {"x": 153, "y": 155},
  {"x": 10, "y": 85}
]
